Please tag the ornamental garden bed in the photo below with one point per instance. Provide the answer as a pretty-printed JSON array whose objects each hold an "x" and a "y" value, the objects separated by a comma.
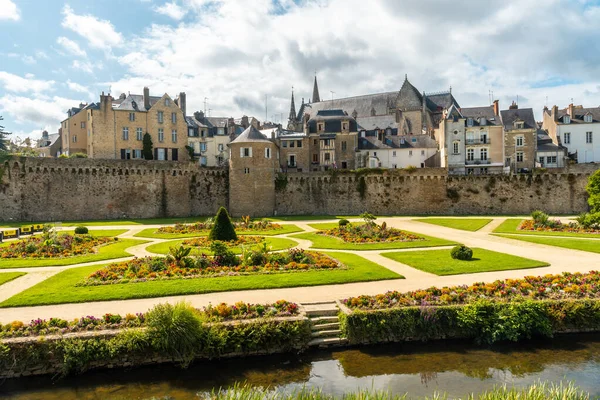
[
  {"x": 53, "y": 246},
  {"x": 202, "y": 244},
  {"x": 224, "y": 263},
  {"x": 220, "y": 313},
  {"x": 203, "y": 228},
  {"x": 540, "y": 224}
]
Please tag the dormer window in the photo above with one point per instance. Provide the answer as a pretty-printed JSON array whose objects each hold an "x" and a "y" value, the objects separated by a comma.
[
  {"x": 320, "y": 126},
  {"x": 567, "y": 119},
  {"x": 587, "y": 118},
  {"x": 519, "y": 124},
  {"x": 167, "y": 102},
  {"x": 482, "y": 121},
  {"x": 344, "y": 126},
  {"x": 469, "y": 121}
]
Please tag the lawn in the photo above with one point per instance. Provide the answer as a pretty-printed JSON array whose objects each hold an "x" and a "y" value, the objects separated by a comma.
[
  {"x": 331, "y": 225},
  {"x": 464, "y": 224},
  {"x": 9, "y": 276},
  {"x": 98, "y": 232},
  {"x": 440, "y": 262},
  {"x": 591, "y": 245},
  {"x": 330, "y": 242},
  {"x": 273, "y": 243},
  {"x": 61, "y": 288},
  {"x": 151, "y": 233},
  {"x": 107, "y": 252},
  {"x": 511, "y": 225}
]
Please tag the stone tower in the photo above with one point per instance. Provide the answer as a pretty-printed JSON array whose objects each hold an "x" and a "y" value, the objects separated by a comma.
[
  {"x": 253, "y": 165},
  {"x": 315, "y": 96},
  {"x": 293, "y": 117}
]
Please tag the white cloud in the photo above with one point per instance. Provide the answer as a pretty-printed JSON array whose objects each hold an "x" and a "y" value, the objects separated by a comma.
[
  {"x": 100, "y": 34},
  {"x": 37, "y": 111},
  {"x": 84, "y": 66},
  {"x": 76, "y": 87},
  {"x": 171, "y": 10},
  {"x": 27, "y": 59},
  {"x": 9, "y": 11},
  {"x": 15, "y": 83},
  {"x": 41, "y": 55},
  {"x": 71, "y": 46}
]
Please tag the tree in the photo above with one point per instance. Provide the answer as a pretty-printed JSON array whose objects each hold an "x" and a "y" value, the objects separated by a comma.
[
  {"x": 593, "y": 189},
  {"x": 147, "y": 147},
  {"x": 223, "y": 228},
  {"x": 3, "y": 139}
]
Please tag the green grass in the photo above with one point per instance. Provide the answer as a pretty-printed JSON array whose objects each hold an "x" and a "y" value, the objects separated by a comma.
[
  {"x": 108, "y": 252},
  {"x": 151, "y": 233},
  {"x": 440, "y": 262},
  {"x": 464, "y": 224},
  {"x": 98, "y": 232},
  {"x": 512, "y": 225},
  {"x": 591, "y": 245},
  {"x": 329, "y": 242},
  {"x": 331, "y": 225},
  {"x": 9, "y": 276},
  {"x": 274, "y": 243},
  {"x": 60, "y": 288}
]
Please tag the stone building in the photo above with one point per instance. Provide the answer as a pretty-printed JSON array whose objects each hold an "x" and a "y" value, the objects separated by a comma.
[
  {"x": 577, "y": 129},
  {"x": 520, "y": 138},
  {"x": 548, "y": 153},
  {"x": 76, "y": 129},
  {"x": 253, "y": 165},
  {"x": 333, "y": 140},
  {"x": 50, "y": 145},
  {"x": 294, "y": 149}
]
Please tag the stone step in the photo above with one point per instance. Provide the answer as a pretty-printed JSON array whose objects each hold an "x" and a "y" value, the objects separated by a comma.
[
  {"x": 322, "y": 312},
  {"x": 322, "y": 327},
  {"x": 327, "y": 333},
  {"x": 320, "y": 320},
  {"x": 327, "y": 342}
]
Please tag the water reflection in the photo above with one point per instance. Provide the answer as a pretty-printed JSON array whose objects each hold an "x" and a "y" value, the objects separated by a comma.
[{"x": 415, "y": 368}]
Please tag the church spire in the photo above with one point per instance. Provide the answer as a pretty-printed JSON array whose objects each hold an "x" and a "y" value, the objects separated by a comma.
[
  {"x": 292, "y": 117},
  {"x": 315, "y": 96}
]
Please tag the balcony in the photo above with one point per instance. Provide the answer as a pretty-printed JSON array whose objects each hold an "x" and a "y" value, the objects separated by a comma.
[
  {"x": 478, "y": 141},
  {"x": 478, "y": 161}
]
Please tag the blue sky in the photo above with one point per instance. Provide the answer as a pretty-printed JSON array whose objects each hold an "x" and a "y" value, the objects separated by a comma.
[{"x": 56, "y": 54}]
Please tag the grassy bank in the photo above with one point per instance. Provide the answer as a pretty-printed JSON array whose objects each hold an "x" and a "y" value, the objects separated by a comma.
[
  {"x": 9, "y": 276},
  {"x": 464, "y": 224},
  {"x": 152, "y": 233},
  {"x": 273, "y": 243},
  {"x": 591, "y": 245},
  {"x": 330, "y": 242}
]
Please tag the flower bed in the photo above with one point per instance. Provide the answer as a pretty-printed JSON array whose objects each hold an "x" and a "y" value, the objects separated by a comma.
[
  {"x": 222, "y": 264},
  {"x": 54, "y": 246},
  {"x": 551, "y": 287},
  {"x": 203, "y": 227},
  {"x": 219, "y": 313},
  {"x": 205, "y": 242},
  {"x": 370, "y": 233},
  {"x": 555, "y": 226}
]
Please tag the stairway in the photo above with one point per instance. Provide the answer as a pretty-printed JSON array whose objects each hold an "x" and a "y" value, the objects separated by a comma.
[{"x": 325, "y": 324}]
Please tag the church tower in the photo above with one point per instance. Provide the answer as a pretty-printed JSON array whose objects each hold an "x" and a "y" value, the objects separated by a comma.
[
  {"x": 293, "y": 118},
  {"x": 315, "y": 96}
]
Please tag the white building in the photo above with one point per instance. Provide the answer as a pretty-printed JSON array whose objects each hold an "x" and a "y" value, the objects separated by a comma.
[{"x": 577, "y": 129}]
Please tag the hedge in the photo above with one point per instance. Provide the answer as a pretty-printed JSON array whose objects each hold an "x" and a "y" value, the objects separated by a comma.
[{"x": 482, "y": 321}]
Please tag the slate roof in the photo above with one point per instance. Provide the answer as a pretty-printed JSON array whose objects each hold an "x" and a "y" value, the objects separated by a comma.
[
  {"x": 545, "y": 144},
  {"x": 134, "y": 102},
  {"x": 379, "y": 122},
  {"x": 397, "y": 142},
  {"x": 524, "y": 114},
  {"x": 250, "y": 135},
  {"x": 52, "y": 138},
  {"x": 333, "y": 121},
  {"x": 579, "y": 113},
  {"x": 481, "y": 112}
]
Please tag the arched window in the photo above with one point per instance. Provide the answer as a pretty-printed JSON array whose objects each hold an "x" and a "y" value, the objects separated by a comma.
[{"x": 456, "y": 147}]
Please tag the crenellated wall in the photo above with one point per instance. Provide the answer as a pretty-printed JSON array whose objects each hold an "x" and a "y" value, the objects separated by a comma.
[
  {"x": 432, "y": 191},
  {"x": 44, "y": 189}
]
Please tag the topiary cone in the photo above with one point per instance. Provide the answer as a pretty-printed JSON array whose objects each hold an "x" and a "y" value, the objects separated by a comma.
[{"x": 223, "y": 228}]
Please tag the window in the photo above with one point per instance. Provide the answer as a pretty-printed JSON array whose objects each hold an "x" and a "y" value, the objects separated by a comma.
[
  {"x": 470, "y": 154},
  {"x": 482, "y": 121},
  {"x": 469, "y": 121},
  {"x": 139, "y": 134},
  {"x": 246, "y": 152},
  {"x": 292, "y": 143},
  {"x": 519, "y": 125},
  {"x": 519, "y": 156},
  {"x": 422, "y": 152},
  {"x": 161, "y": 135},
  {"x": 587, "y": 118},
  {"x": 137, "y": 154},
  {"x": 203, "y": 146},
  {"x": 267, "y": 153},
  {"x": 202, "y": 133},
  {"x": 89, "y": 115},
  {"x": 167, "y": 102},
  {"x": 344, "y": 145},
  {"x": 542, "y": 160},
  {"x": 414, "y": 140},
  {"x": 551, "y": 159},
  {"x": 326, "y": 142},
  {"x": 394, "y": 166},
  {"x": 315, "y": 142},
  {"x": 567, "y": 136},
  {"x": 410, "y": 153},
  {"x": 160, "y": 117},
  {"x": 161, "y": 154},
  {"x": 284, "y": 143},
  {"x": 344, "y": 126},
  {"x": 291, "y": 160},
  {"x": 519, "y": 140},
  {"x": 394, "y": 153},
  {"x": 132, "y": 116},
  {"x": 327, "y": 157},
  {"x": 455, "y": 148},
  {"x": 298, "y": 143},
  {"x": 246, "y": 170},
  {"x": 221, "y": 147},
  {"x": 203, "y": 161},
  {"x": 374, "y": 154},
  {"x": 74, "y": 138},
  {"x": 173, "y": 118},
  {"x": 588, "y": 137},
  {"x": 315, "y": 158},
  {"x": 125, "y": 154},
  {"x": 174, "y": 136},
  {"x": 566, "y": 119},
  {"x": 125, "y": 133},
  {"x": 483, "y": 154},
  {"x": 89, "y": 133},
  {"x": 320, "y": 127},
  {"x": 83, "y": 125}
]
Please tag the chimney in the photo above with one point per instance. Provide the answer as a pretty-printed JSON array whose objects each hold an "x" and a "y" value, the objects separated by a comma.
[
  {"x": 571, "y": 111},
  {"x": 146, "y": 98},
  {"x": 496, "y": 107},
  {"x": 554, "y": 113},
  {"x": 245, "y": 122},
  {"x": 123, "y": 96},
  {"x": 199, "y": 115},
  {"x": 513, "y": 106},
  {"x": 45, "y": 135},
  {"x": 181, "y": 102}
]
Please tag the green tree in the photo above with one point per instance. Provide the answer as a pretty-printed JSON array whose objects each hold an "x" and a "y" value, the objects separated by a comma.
[
  {"x": 3, "y": 138},
  {"x": 593, "y": 189},
  {"x": 147, "y": 147},
  {"x": 223, "y": 228}
]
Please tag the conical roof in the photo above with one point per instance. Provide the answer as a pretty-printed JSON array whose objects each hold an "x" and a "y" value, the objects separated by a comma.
[
  {"x": 251, "y": 134},
  {"x": 315, "y": 96}
]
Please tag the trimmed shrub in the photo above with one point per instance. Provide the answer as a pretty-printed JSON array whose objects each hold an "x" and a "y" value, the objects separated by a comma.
[
  {"x": 343, "y": 222},
  {"x": 223, "y": 228},
  {"x": 540, "y": 218},
  {"x": 462, "y": 252},
  {"x": 81, "y": 230}
]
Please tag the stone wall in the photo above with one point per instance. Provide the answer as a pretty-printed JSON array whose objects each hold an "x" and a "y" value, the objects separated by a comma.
[
  {"x": 432, "y": 191},
  {"x": 43, "y": 189}
]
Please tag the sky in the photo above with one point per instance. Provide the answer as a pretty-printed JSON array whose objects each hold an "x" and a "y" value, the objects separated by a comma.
[{"x": 240, "y": 55}]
